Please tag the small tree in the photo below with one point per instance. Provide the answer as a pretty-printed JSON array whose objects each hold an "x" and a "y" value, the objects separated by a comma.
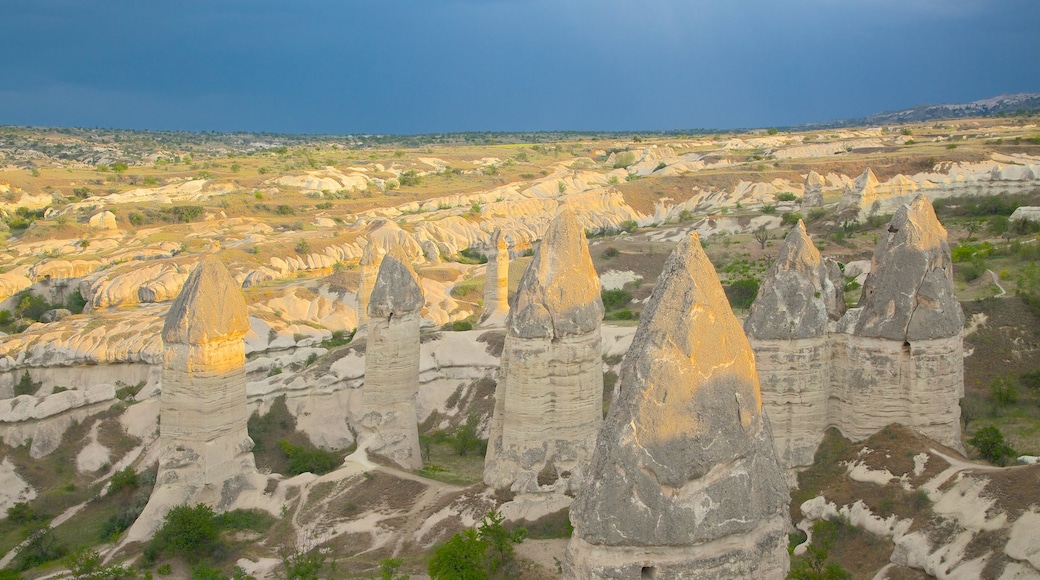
[
  {"x": 990, "y": 443},
  {"x": 761, "y": 235}
]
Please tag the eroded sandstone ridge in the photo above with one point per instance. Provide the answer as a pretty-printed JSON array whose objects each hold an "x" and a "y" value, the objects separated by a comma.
[
  {"x": 389, "y": 428},
  {"x": 899, "y": 354},
  {"x": 205, "y": 453},
  {"x": 549, "y": 400},
  {"x": 684, "y": 481},
  {"x": 787, "y": 327},
  {"x": 496, "y": 282}
]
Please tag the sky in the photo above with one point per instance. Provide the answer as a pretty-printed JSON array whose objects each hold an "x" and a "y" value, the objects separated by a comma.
[{"x": 425, "y": 66}]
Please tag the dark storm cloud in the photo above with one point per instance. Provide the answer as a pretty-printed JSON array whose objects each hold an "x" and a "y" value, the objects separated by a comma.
[{"x": 411, "y": 66}]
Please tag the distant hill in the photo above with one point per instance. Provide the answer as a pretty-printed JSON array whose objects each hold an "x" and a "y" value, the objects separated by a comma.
[{"x": 1003, "y": 105}]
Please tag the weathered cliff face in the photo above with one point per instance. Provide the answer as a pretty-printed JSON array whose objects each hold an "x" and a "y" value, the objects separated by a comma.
[
  {"x": 370, "y": 262},
  {"x": 389, "y": 425},
  {"x": 787, "y": 328},
  {"x": 684, "y": 481},
  {"x": 205, "y": 453},
  {"x": 898, "y": 357},
  {"x": 549, "y": 400},
  {"x": 496, "y": 282}
]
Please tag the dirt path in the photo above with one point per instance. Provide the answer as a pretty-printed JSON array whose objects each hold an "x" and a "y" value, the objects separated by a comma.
[{"x": 996, "y": 282}]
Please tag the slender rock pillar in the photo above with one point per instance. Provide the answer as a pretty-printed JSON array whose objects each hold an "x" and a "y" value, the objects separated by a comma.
[
  {"x": 389, "y": 426},
  {"x": 549, "y": 401},
  {"x": 496, "y": 282},
  {"x": 205, "y": 453},
  {"x": 787, "y": 328}
]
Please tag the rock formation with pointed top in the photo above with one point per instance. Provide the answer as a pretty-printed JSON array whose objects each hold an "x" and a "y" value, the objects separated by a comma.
[
  {"x": 496, "y": 282},
  {"x": 205, "y": 453},
  {"x": 812, "y": 190},
  {"x": 549, "y": 400},
  {"x": 899, "y": 354},
  {"x": 684, "y": 481},
  {"x": 389, "y": 428},
  {"x": 370, "y": 261},
  {"x": 787, "y": 327}
]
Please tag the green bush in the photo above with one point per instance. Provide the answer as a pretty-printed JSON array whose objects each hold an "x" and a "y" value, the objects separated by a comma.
[
  {"x": 990, "y": 443},
  {"x": 22, "y": 513},
  {"x": 466, "y": 440},
  {"x": 786, "y": 196},
  {"x": 628, "y": 226},
  {"x": 461, "y": 325},
  {"x": 1003, "y": 391},
  {"x": 122, "y": 479},
  {"x": 611, "y": 252},
  {"x": 615, "y": 298},
  {"x": 32, "y": 306},
  {"x": 769, "y": 209},
  {"x": 477, "y": 553},
  {"x": 26, "y": 386},
  {"x": 85, "y": 564},
  {"x": 285, "y": 210},
  {"x": 304, "y": 460},
  {"x": 1030, "y": 380},
  {"x": 790, "y": 218},
  {"x": 187, "y": 532},
  {"x": 76, "y": 302},
  {"x": 817, "y": 214},
  {"x": 39, "y": 548},
  {"x": 472, "y": 256},
  {"x": 973, "y": 270},
  {"x": 742, "y": 293}
]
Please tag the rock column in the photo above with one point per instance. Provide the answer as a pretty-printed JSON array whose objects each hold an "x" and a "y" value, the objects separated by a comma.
[
  {"x": 812, "y": 190},
  {"x": 684, "y": 482},
  {"x": 899, "y": 355},
  {"x": 496, "y": 282},
  {"x": 787, "y": 328},
  {"x": 389, "y": 425},
  {"x": 205, "y": 453},
  {"x": 549, "y": 401}
]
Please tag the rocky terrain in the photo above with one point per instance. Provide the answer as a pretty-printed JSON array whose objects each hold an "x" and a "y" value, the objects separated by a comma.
[{"x": 346, "y": 262}]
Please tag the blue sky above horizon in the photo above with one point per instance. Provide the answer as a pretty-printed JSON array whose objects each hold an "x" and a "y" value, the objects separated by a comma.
[{"x": 421, "y": 66}]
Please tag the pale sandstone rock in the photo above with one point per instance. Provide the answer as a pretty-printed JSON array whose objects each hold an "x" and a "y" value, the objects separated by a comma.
[
  {"x": 787, "y": 328},
  {"x": 1026, "y": 213},
  {"x": 549, "y": 400},
  {"x": 898, "y": 357},
  {"x": 684, "y": 481},
  {"x": 496, "y": 282},
  {"x": 205, "y": 453},
  {"x": 812, "y": 190},
  {"x": 104, "y": 220},
  {"x": 389, "y": 427},
  {"x": 370, "y": 262}
]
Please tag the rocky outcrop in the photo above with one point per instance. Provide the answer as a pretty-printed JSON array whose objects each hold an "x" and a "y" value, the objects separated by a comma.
[
  {"x": 899, "y": 354},
  {"x": 812, "y": 190},
  {"x": 371, "y": 259},
  {"x": 389, "y": 428},
  {"x": 205, "y": 453},
  {"x": 684, "y": 481},
  {"x": 787, "y": 328},
  {"x": 549, "y": 399},
  {"x": 496, "y": 282},
  {"x": 1030, "y": 213},
  {"x": 104, "y": 220}
]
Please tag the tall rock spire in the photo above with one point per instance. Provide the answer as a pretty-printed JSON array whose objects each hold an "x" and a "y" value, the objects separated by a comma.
[
  {"x": 205, "y": 453},
  {"x": 787, "y": 327},
  {"x": 389, "y": 426},
  {"x": 496, "y": 282},
  {"x": 371, "y": 258},
  {"x": 684, "y": 481},
  {"x": 549, "y": 401}
]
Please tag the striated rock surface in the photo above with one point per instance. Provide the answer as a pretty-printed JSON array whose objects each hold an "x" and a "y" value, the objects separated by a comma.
[
  {"x": 104, "y": 220},
  {"x": 812, "y": 190},
  {"x": 898, "y": 357},
  {"x": 496, "y": 282},
  {"x": 389, "y": 425},
  {"x": 684, "y": 481},
  {"x": 205, "y": 453},
  {"x": 787, "y": 328},
  {"x": 549, "y": 399}
]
